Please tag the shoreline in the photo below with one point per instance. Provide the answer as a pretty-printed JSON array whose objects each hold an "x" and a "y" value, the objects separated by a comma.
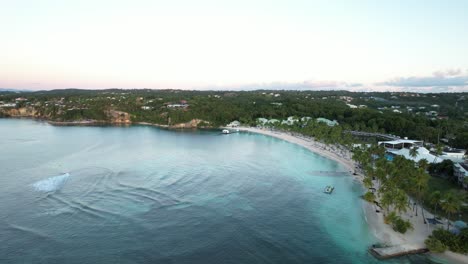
[
  {"x": 375, "y": 221},
  {"x": 308, "y": 143}
]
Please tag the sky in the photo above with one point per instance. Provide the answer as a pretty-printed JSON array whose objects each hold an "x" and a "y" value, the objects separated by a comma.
[{"x": 361, "y": 45}]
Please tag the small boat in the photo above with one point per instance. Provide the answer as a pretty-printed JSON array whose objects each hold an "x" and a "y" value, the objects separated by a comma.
[
  {"x": 329, "y": 189},
  {"x": 226, "y": 131}
]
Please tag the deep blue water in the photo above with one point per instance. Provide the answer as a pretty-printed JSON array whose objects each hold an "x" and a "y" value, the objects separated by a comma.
[{"x": 145, "y": 195}]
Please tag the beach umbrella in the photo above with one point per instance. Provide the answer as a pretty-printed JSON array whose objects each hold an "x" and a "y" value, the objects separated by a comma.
[{"x": 460, "y": 224}]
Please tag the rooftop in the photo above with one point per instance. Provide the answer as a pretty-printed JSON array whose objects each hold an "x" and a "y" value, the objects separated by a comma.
[{"x": 401, "y": 141}]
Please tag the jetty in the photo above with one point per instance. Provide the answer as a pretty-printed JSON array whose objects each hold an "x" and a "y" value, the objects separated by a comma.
[
  {"x": 396, "y": 251},
  {"x": 329, "y": 173}
]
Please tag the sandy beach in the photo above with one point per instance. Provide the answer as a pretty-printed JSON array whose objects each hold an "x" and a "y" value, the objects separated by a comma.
[{"x": 383, "y": 232}]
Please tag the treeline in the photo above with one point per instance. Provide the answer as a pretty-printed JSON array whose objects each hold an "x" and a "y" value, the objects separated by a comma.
[{"x": 222, "y": 107}]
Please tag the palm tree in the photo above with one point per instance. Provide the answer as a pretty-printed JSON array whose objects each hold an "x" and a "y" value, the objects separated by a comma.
[
  {"x": 420, "y": 183},
  {"x": 367, "y": 182},
  {"x": 413, "y": 152},
  {"x": 387, "y": 199},
  {"x": 450, "y": 204},
  {"x": 423, "y": 164},
  {"x": 438, "y": 151},
  {"x": 400, "y": 201},
  {"x": 435, "y": 200}
]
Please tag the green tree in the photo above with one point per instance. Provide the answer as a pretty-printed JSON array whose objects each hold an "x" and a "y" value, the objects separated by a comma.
[
  {"x": 369, "y": 196},
  {"x": 450, "y": 204},
  {"x": 435, "y": 199},
  {"x": 400, "y": 201},
  {"x": 438, "y": 150},
  {"x": 423, "y": 164},
  {"x": 435, "y": 245},
  {"x": 420, "y": 180},
  {"x": 413, "y": 152}
]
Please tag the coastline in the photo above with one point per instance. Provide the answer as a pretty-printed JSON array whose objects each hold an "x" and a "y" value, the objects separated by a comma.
[
  {"x": 382, "y": 232},
  {"x": 308, "y": 143}
]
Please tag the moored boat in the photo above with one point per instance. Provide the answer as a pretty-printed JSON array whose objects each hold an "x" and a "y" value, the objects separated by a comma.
[{"x": 329, "y": 189}]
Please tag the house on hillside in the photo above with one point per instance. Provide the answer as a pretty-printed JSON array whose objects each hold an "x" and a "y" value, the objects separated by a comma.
[{"x": 177, "y": 105}]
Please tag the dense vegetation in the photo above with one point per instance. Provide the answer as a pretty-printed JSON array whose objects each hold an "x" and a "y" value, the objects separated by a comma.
[
  {"x": 393, "y": 184},
  {"x": 219, "y": 108},
  {"x": 441, "y": 240}
]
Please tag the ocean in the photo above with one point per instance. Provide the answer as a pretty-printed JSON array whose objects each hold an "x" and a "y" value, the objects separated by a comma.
[{"x": 141, "y": 194}]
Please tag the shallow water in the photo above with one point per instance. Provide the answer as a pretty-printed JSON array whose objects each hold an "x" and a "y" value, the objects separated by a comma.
[{"x": 145, "y": 195}]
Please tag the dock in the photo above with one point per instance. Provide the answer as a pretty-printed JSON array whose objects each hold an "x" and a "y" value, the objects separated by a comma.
[{"x": 396, "y": 251}]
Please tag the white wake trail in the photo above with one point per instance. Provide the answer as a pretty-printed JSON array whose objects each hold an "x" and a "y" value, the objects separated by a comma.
[{"x": 51, "y": 184}]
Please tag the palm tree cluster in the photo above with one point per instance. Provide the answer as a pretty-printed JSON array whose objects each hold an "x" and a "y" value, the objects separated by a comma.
[
  {"x": 450, "y": 203},
  {"x": 394, "y": 180},
  {"x": 397, "y": 180}
]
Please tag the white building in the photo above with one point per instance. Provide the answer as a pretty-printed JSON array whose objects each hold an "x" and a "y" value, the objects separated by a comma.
[
  {"x": 273, "y": 121},
  {"x": 262, "y": 121},
  {"x": 290, "y": 121},
  {"x": 8, "y": 105},
  {"x": 402, "y": 147},
  {"x": 234, "y": 123},
  {"x": 327, "y": 121},
  {"x": 455, "y": 155},
  {"x": 460, "y": 170}
]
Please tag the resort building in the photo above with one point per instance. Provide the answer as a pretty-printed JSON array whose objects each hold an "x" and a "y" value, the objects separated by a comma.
[
  {"x": 262, "y": 121},
  {"x": 460, "y": 170},
  {"x": 402, "y": 147},
  {"x": 327, "y": 121},
  {"x": 401, "y": 143},
  {"x": 455, "y": 155},
  {"x": 290, "y": 121},
  {"x": 273, "y": 121},
  {"x": 234, "y": 124}
]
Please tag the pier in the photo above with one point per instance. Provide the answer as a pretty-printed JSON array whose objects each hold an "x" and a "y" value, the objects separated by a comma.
[{"x": 396, "y": 251}]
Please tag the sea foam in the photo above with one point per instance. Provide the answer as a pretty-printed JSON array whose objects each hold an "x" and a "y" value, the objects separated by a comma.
[{"x": 51, "y": 184}]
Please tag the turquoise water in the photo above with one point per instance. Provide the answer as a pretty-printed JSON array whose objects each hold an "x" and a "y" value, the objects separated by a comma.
[{"x": 145, "y": 195}]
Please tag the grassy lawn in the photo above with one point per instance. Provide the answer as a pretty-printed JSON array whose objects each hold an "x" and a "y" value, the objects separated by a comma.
[{"x": 443, "y": 185}]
